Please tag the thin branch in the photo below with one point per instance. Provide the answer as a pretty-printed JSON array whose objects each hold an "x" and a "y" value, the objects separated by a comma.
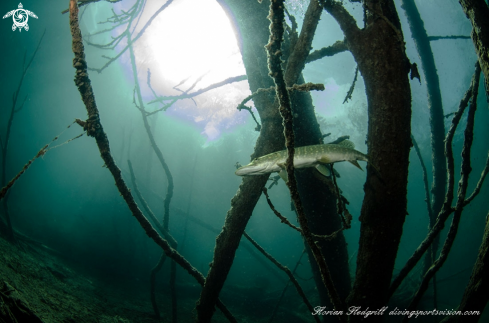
[
  {"x": 287, "y": 271},
  {"x": 346, "y": 217},
  {"x": 141, "y": 32},
  {"x": 352, "y": 87},
  {"x": 274, "y": 61},
  {"x": 446, "y": 208},
  {"x": 5, "y": 189},
  {"x": 22, "y": 104},
  {"x": 210, "y": 87},
  {"x": 156, "y": 149},
  {"x": 317, "y": 237},
  {"x": 152, "y": 284},
  {"x": 166, "y": 106},
  {"x": 94, "y": 128},
  {"x": 479, "y": 183},
  {"x": 148, "y": 210},
  {"x": 462, "y": 190},
  {"x": 432, "y": 253},
  {"x": 286, "y": 287},
  {"x": 296, "y": 87},
  {"x": 82, "y": 3},
  {"x": 282, "y": 218},
  {"x": 425, "y": 179},
  {"x": 301, "y": 49},
  {"x": 432, "y": 38},
  {"x": 338, "y": 47}
]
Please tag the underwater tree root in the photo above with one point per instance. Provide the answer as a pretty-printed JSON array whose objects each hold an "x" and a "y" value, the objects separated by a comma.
[
  {"x": 274, "y": 61},
  {"x": 287, "y": 271},
  {"x": 94, "y": 128}
]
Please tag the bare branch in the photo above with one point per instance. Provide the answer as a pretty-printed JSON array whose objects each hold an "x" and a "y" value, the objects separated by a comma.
[
  {"x": 296, "y": 60},
  {"x": 447, "y": 208},
  {"x": 82, "y": 3},
  {"x": 425, "y": 178},
  {"x": 282, "y": 218},
  {"x": 274, "y": 62},
  {"x": 141, "y": 32},
  {"x": 287, "y": 271},
  {"x": 462, "y": 190},
  {"x": 338, "y": 47},
  {"x": 352, "y": 87},
  {"x": 5, "y": 189},
  {"x": 95, "y": 129},
  {"x": 433, "y": 38},
  {"x": 479, "y": 183},
  {"x": 210, "y": 87}
]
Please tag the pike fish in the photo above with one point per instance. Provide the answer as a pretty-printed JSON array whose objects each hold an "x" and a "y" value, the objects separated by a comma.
[{"x": 318, "y": 156}]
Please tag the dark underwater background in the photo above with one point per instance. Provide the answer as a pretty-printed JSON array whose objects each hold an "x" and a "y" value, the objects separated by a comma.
[{"x": 67, "y": 200}]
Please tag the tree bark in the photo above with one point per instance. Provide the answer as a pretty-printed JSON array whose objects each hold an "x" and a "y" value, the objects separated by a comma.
[
  {"x": 271, "y": 139},
  {"x": 252, "y": 29},
  {"x": 380, "y": 53},
  {"x": 437, "y": 121},
  {"x": 477, "y": 11}
]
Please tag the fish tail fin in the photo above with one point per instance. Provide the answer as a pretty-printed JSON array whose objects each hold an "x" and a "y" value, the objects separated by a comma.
[{"x": 355, "y": 163}]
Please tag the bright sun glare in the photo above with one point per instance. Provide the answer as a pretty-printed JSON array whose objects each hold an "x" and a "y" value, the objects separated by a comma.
[
  {"x": 193, "y": 37},
  {"x": 188, "y": 40}
]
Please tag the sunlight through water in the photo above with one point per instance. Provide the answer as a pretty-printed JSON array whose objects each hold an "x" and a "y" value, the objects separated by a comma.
[{"x": 192, "y": 41}]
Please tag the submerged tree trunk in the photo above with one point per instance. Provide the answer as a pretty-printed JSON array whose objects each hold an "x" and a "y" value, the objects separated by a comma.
[
  {"x": 380, "y": 53},
  {"x": 271, "y": 139},
  {"x": 252, "y": 29},
  {"x": 437, "y": 123},
  {"x": 477, "y": 11}
]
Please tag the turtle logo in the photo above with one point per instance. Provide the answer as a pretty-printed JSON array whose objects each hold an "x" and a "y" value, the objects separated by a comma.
[{"x": 20, "y": 17}]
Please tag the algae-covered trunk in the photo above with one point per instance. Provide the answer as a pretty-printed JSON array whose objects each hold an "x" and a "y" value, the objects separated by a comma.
[
  {"x": 252, "y": 28},
  {"x": 379, "y": 51}
]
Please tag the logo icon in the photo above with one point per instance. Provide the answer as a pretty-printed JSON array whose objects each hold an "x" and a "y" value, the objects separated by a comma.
[{"x": 20, "y": 17}]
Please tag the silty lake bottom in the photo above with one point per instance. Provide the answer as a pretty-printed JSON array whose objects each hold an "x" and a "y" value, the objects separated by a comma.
[{"x": 119, "y": 198}]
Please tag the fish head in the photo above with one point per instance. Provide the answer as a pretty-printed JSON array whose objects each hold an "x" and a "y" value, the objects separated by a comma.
[{"x": 259, "y": 166}]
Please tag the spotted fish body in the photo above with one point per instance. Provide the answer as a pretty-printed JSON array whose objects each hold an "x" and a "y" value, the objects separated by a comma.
[{"x": 306, "y": 156}]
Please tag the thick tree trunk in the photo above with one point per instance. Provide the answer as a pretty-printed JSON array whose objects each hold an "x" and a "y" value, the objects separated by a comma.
[
  {"x": 271, "y": 139},
  {"x": 380, "y": 54},
  {"x": 437, "y": 124},
  {"x": 252, "y": 28},
  {"x": 478, "y": 12}
]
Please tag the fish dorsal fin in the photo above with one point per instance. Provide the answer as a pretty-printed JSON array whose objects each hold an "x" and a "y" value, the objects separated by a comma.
[
  {"x": 355, "y": 163},
  {"x": 347, "y": 144}
]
